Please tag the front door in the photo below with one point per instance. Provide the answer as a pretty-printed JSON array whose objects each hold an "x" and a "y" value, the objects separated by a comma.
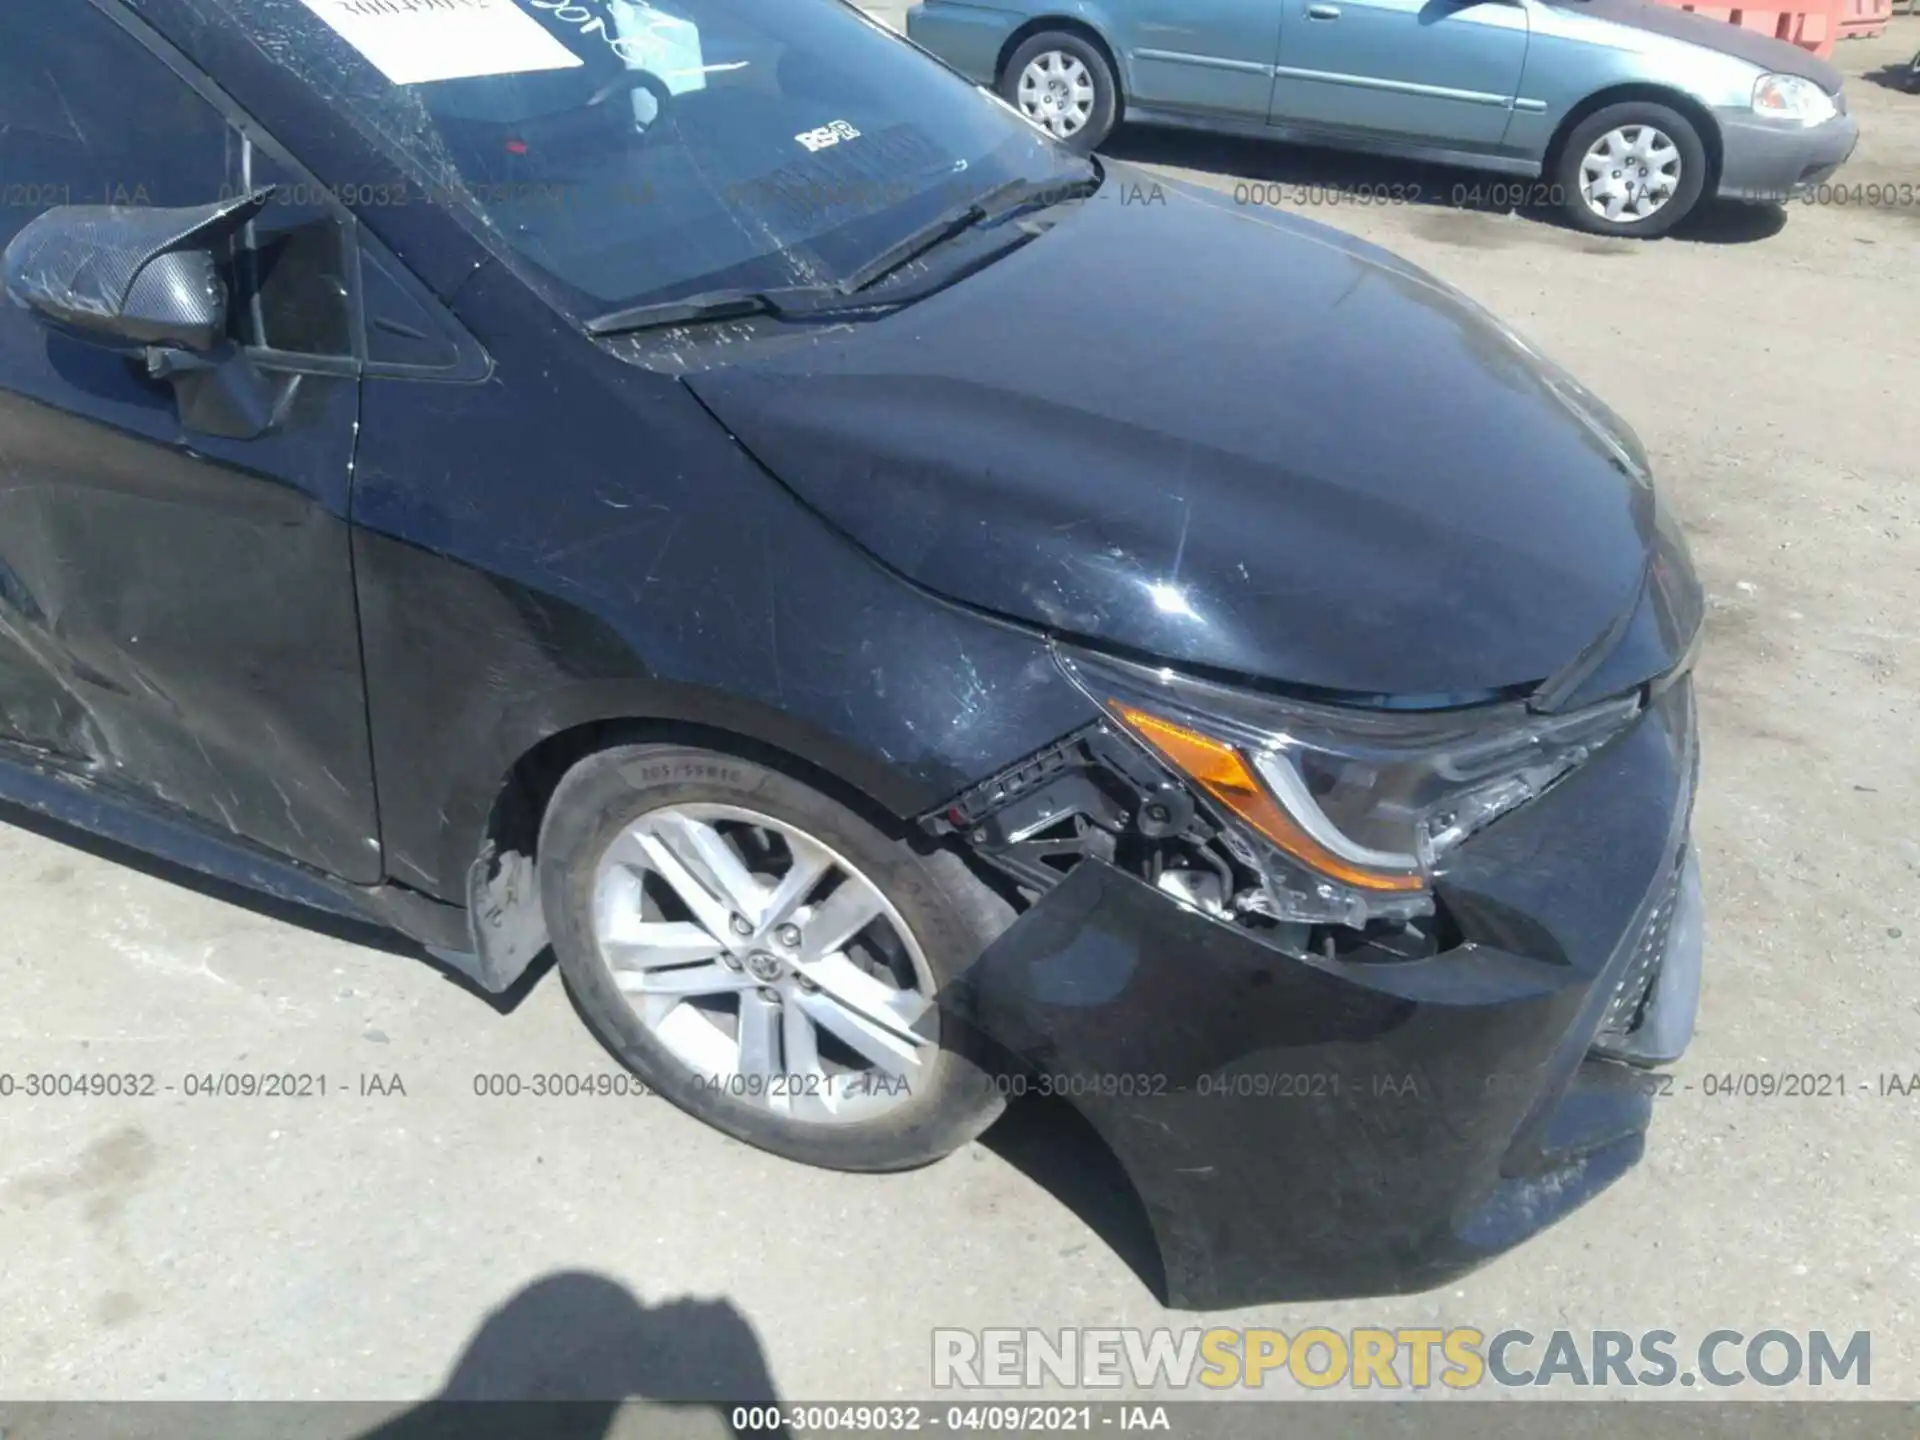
[
  {"x": 177, "y": 611},
  {"x": 1435, "y": 72},
  {"x": 1215, "y": 56}
]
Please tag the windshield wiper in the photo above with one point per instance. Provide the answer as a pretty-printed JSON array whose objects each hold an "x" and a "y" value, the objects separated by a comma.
[
  {"x": 995, "y": 204},
  {"x": 795, "y": 302},
  {"x": 786, "y": 302}
]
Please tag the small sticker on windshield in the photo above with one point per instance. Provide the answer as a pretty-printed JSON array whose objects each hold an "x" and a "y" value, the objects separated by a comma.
[
  {"x": 412, "y": 42},
  {"x": 831, "y": 133}
]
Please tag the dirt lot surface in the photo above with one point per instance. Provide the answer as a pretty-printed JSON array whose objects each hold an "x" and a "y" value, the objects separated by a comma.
[{"x": 352, "y": 1245}]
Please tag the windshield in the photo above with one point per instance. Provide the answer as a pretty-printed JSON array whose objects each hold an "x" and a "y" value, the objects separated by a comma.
[{"x": 632, "y": 152}]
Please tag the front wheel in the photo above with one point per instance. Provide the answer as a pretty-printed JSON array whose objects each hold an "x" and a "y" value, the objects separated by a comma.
[
  {"x": 765, "y": 957},
  {"x": 1634, "y": 170},
  {"x": 1062, "y": 83}
]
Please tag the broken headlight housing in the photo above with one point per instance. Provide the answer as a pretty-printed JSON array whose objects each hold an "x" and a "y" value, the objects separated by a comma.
[{"x": 1344, "y": 814}]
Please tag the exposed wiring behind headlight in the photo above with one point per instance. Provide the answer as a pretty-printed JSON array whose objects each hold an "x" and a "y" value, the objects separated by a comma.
[{"x": 1345, "y": 814}]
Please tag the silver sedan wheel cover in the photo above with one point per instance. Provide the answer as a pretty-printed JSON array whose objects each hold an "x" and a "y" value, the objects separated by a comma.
[
  {"x": 1056, "y": 92},
  {"x": 766, "y": 963},
  {"x": 1629, "y": 173}
]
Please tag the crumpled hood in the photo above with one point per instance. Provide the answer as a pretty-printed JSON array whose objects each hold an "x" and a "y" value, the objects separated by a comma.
[{"x": 1225, "y": 438}]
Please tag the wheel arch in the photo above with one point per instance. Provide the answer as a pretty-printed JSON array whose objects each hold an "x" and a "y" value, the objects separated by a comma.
[
  {"x": 1701, "y": 117},
  {"x": 492, "y": 825},
  {"x": 529, "y": 781}
]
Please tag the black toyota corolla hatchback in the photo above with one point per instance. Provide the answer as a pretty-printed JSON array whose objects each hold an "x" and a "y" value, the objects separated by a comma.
[{"x": 910, "y": 615}]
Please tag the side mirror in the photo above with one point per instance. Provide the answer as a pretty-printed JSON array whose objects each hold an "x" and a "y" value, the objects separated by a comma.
[{"x": 147, "y": 276}]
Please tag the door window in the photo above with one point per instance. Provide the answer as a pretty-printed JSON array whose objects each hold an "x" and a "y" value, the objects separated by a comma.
[{"x": 90, "y": 116}]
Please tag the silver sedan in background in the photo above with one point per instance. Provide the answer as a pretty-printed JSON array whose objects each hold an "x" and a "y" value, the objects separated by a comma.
[{"x": 1626, "y": 113}]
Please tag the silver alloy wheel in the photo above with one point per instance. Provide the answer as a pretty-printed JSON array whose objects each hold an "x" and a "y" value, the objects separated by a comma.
[
  {"x": 1629, "y": 173},
  {"x": 1056, "y": 91},
  {"x": 765, "y": 962}
]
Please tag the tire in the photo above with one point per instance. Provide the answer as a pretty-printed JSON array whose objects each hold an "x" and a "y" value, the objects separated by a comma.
[
  {"x": 1081, "y": 130},
  {"x": 936, "y": 918},
  {"x": 1634, "y": 118}
]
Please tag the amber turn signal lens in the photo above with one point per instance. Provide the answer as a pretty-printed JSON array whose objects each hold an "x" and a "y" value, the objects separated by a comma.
[{"x": 1224, "y": 774}]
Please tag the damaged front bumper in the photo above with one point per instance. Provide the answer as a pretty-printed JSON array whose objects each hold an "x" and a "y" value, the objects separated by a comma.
[{"x": 1318, "y": 1128}]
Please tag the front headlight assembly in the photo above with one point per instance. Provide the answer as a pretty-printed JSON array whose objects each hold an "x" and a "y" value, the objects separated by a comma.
[
  {"x": 1788, "y": 97},
  {"x": 1344, "y": 814}
]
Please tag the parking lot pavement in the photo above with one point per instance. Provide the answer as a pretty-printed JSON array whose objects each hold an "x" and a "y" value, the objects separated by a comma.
[{"x": 350, "y": 1244}]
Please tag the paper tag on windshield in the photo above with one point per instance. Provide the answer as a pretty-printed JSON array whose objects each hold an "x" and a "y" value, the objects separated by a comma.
[{"x": 415, "y": 41}]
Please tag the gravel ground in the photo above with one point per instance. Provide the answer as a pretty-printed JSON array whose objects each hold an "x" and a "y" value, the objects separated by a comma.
[{"x": 352, "y": 1245}]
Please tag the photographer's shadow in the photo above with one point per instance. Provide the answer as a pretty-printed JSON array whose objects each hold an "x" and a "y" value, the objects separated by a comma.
[{"x": 559, "y": 1360}]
